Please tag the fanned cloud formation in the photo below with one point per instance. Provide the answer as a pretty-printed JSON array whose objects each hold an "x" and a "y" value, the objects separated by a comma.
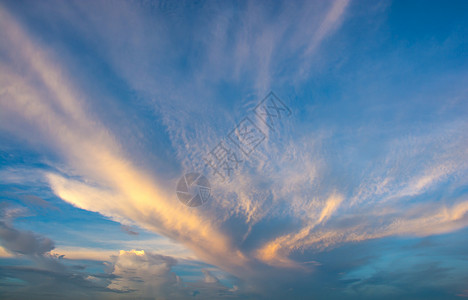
[{"x": 107, "y": 105}]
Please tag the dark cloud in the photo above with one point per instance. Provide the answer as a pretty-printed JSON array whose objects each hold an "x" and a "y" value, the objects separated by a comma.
[
  {"x": 36, "y": 283},
  {"x": 24, "y": 242},
  {"x": 20, "y": 241},
  {"x": 128, "y": 229},
  {"x": 37, "y": 274}
]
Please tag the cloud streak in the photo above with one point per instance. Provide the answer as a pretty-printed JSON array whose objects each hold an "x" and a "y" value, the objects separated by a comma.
[{"x": 321, "y": 181}]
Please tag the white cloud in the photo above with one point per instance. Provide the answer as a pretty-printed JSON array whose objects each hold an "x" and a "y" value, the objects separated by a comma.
[{"x": 289, "y": 180}]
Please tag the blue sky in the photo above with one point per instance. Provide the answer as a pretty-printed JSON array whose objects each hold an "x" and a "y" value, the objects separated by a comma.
[{"x": 359, "y": 192}]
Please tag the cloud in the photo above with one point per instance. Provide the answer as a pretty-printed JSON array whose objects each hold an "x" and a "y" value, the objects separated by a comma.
[
  {"x": 103, "y": 178},
  {"x": 24, "y": 242},
  {"x": 47, "y": 271},
  {"x": 40, "y": 271},
  {"x": 125, "y": 192},
  {"x": 4, "y": 253},
  {"x": 145, "y": 274},
  {"x": 276, "y": 252},
  {"x": 308, "y": 188},
  {"x": 139, "y": 273},
  {"x": 128, "y": 230},
  {"x": 37, "y": 283},
  {"x": 209, "y": 278},
  {"x": 20, "y": 241},
  {"x": 330, "y": 22},
  {"x": 81, "y": 253}
]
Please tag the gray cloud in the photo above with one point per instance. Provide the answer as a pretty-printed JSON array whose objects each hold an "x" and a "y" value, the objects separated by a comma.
[
  {"x": 127, "y": 229},
  {"x": 20, "y": 241},
  {"x": 24, "y": 242}
]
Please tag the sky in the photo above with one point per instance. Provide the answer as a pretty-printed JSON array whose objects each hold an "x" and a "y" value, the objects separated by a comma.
[{"x": 332, "y": 136}]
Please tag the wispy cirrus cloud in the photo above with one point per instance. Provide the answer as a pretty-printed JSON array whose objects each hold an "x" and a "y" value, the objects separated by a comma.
[
  {"x": 345, "y": 168},
  {"x": 124, "y": 192},
  {"x": 121, "y": 192}
]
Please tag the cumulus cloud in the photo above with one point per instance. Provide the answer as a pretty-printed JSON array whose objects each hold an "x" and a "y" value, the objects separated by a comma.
[
  {"x": 145, "y": 274},
  {"x": 129, "y": 274}
]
